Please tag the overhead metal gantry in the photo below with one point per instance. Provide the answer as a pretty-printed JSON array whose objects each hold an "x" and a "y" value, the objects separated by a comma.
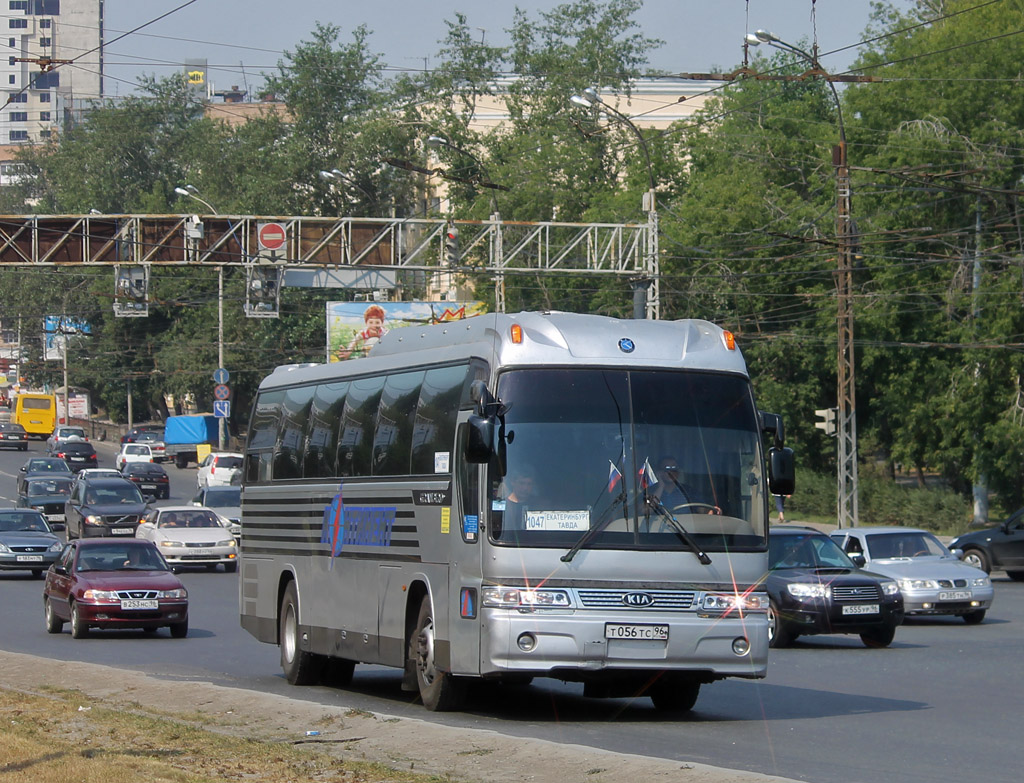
[{"x": 494, "y": 247}]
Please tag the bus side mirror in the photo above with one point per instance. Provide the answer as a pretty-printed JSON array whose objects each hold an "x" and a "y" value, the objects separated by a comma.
[
  {"x": 480, "y": 440},
  {"x": 781, "y": 471}
]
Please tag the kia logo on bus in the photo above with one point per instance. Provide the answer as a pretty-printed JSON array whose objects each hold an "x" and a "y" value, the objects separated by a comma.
[{"x": 637, "y": 599}]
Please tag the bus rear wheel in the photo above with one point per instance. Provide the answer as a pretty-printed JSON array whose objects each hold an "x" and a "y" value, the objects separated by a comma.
[
  {"x": 300, "y": 667},
  {"x": 439, "y": 690},
  {"x": 674, "y": 694}
]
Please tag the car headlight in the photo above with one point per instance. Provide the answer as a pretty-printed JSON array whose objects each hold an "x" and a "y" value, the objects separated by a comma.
[
  {"x": 516, "y": 598},
  {"x": 981, "y": 582},
  {"x": 93, "y": 519},
  {"x": 172, "y": 544},
  {"x": 743, "y": 602},
  {"x": 100, "y": 595},
  {"x": 809, "y": 591},
  {"x": 4, "y": 549},
  {"x": 890, "y": 588},
  {"x": 229, "y": 542},
  {"x": 918, "y": 584},
  {"x": 56, "y": 546},
  {"x": 180, "y": 592}
]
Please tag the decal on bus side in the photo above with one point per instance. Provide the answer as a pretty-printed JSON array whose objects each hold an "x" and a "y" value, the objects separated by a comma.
[{"x": 355, "y": 525}]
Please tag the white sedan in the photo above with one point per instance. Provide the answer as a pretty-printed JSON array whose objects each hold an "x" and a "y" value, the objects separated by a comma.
[
  {"x": 190, "y": 536},
  {"x": 132, "y": 452}
]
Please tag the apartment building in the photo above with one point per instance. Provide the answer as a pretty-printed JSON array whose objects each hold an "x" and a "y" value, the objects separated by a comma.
[{"x": 39, "y": 88}]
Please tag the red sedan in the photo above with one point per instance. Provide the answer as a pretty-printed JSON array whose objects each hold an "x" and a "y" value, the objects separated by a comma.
[{"x": 114, "y": 583}]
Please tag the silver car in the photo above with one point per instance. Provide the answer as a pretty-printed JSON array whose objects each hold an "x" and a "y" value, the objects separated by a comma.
[
  {"x": 190, "y": 536},
  {"x": 932, "y": 579}
]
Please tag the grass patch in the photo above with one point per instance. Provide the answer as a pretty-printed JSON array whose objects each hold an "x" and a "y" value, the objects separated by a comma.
[{"x": 57, "y": 738}]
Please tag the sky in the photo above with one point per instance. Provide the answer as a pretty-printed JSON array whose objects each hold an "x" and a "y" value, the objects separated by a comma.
[{"x": 242, "y": 39}]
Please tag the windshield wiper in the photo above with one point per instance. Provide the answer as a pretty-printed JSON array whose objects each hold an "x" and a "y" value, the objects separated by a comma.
[
  {"x": 657, "y": 505},
  {"x": 602, "y": 523}
]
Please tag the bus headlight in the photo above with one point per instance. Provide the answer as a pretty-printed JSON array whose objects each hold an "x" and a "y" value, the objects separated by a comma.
[
  {"x": 523, "y": 598},
  {"x": 723, "y": 603}
]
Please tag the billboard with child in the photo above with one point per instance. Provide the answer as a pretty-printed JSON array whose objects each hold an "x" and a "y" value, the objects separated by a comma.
[{"x": 353, "y": 328}]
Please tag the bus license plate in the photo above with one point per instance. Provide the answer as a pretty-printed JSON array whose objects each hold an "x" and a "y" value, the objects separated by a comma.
[
  {"x": 139, "y": 603},
  {"x": 30, "y": 558},
  {"x": 959, "y": 595},
  {"x": 657, "y": 633},
  {"x": 123, "y": 531},
  {"x": 861, "y": 609}
]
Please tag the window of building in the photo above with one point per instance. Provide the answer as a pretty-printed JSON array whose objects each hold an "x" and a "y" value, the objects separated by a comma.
[
  {"x": 10, "y": 60},
  {"x": 44, "y": 97},
  {"x": 10, "y": 79},
  {"x": 45, "y": 43},
  {"x": 19, "y": 5},
  {"x": 18, "y": 97},
  {"x": 19, "y": 135},
  {"x": 44, "y": 116},
  {"x": 44, "y": 81},
  {"x": 46, "y": 7},
  {"x": 19, "y": 116},
  {"x": 18, "y": 24},
  {"x": 11, "y": 42},
  {"x": 45, "y": 24},
  {"x": 44, "y": 134}
]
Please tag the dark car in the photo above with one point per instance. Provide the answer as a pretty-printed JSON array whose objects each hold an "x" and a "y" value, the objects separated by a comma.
[
  {"x": 996, "y": 547},
  {"x": 814, "y": 588},
  {"x": 133, "y": 434},
  {"x": 42, "y": 466},
  {"x": 104, "y": 507},
  {"x": 26, "y": 542},
  {"x": 114, "y": 583},
  {"x": 78, "y": 454},
  {"x": 13, "y": 436},
  {"x": 150, "y": 478},
  {"x": 47, "y": 495}
]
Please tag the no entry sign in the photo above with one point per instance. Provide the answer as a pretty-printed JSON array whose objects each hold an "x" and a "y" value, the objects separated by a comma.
[{"x": 271, "y": 236}]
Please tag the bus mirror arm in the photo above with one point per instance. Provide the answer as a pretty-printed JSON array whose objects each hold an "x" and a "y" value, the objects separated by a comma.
[{"x": 771, "y": 424}]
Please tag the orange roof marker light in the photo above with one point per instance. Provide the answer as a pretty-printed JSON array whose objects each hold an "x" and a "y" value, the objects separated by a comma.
[
  {"x": 516, "y": 332},
  {"x": 730, "y": 340}
]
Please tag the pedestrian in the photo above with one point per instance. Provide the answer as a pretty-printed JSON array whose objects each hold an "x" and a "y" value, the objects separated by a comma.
[{"x": 780, "y": 505}]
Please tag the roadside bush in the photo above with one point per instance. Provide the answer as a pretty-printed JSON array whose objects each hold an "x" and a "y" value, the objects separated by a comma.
[{"x": 882, "y": 502}]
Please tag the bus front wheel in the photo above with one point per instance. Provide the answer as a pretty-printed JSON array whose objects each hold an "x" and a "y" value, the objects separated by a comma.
[
  {"x": 300, "y": 667},
  {"x": 439, "y": 690}
]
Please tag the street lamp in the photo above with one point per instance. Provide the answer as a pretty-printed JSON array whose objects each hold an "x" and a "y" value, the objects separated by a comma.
[
  {"x": 646, "y": 291},
  {"x": 847, "y": 413},
  {"x": 192, "y": 192}
]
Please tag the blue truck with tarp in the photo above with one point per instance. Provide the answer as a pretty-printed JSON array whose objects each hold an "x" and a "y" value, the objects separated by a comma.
[{"x": 183, "y": 434}]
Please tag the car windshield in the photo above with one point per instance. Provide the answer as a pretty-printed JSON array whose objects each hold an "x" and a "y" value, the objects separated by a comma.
[
  {"x": 120, "y": 558},
  {"x": 108, "y": 496},
  {"x": 49, "y": 487},
  {"x": 913, "y": 543},
  {"x": 583, "y": 449},
  {"x": 43, "y": 465},
  {"x": 806, "y": 551},
  {"x": 219, "y": 497},
  {"x": 22, "y": 521},
  {"x": 188, "y": 519}
]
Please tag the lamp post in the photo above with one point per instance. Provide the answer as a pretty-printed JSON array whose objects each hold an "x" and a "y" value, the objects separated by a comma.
[
  {"x": 192, "y": 192},
  {"x": 646, "y": 290},
  {"x": 846, "y": 426},
  {"x": 499, "y": 279}
]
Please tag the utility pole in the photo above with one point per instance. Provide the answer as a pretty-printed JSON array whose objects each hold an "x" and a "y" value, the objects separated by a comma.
[{"x": 980, "y": 488}]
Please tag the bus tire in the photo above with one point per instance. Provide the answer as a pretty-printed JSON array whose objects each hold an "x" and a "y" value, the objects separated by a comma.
[
  {"x": 300, "y": 667},
  {"x": 337, "y": 672},
  {"x": 440, "y": 691},
  {"x": 674, "y": 695}
]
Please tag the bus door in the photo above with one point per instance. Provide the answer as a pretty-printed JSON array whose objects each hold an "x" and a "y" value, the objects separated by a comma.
[{"x": 464, "y": 532}]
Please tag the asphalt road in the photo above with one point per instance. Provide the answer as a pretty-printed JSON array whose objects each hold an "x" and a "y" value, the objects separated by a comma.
[{"x": 940, "y": 705}]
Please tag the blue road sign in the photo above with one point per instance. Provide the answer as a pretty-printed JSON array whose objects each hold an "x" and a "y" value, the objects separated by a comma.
[
  {"x": 222, "y": 409},
  {"x": 221, "y": 376}
]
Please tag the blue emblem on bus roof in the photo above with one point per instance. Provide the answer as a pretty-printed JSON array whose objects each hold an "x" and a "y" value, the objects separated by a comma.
[{"x": 626, "y": 345}]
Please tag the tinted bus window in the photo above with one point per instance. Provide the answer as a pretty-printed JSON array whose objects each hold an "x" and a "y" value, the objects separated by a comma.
[
  {"x": 262, "y": 436},
  {"x": 320, "y": 459},
  {"x": 358, "y": 421},
  {"x": 294, "y": 415},
  {"x": 434, "y": 429},
  {"x": 392, "y": 439}
]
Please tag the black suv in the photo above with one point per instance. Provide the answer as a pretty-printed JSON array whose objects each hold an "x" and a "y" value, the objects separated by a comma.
[
  {"x": 815, "y": 588},
  {"x": 104, "y": 507}
]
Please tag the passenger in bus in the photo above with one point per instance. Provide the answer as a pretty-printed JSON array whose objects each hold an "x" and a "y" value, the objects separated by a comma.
[{"x": 522, "y": 495}]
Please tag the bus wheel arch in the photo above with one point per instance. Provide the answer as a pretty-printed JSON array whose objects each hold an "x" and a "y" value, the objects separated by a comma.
[{"x": 439, "y": 690}]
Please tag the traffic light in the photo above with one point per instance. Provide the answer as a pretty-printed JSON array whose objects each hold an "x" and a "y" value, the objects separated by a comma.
[
  {"x": 828, "y": 420},
  {"x": 263, "y": 291},
  {"x": 131, "y": 291},
  {"x": 451, "y": 245}
]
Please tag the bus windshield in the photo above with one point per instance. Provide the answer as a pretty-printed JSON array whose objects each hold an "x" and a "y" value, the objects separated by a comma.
[{"x": 605, "y": 453}]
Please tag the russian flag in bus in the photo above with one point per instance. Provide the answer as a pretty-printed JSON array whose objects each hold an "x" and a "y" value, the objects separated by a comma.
[
  {"x": 614, "y": 476},
  {"x": 647, "y": 476}
]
